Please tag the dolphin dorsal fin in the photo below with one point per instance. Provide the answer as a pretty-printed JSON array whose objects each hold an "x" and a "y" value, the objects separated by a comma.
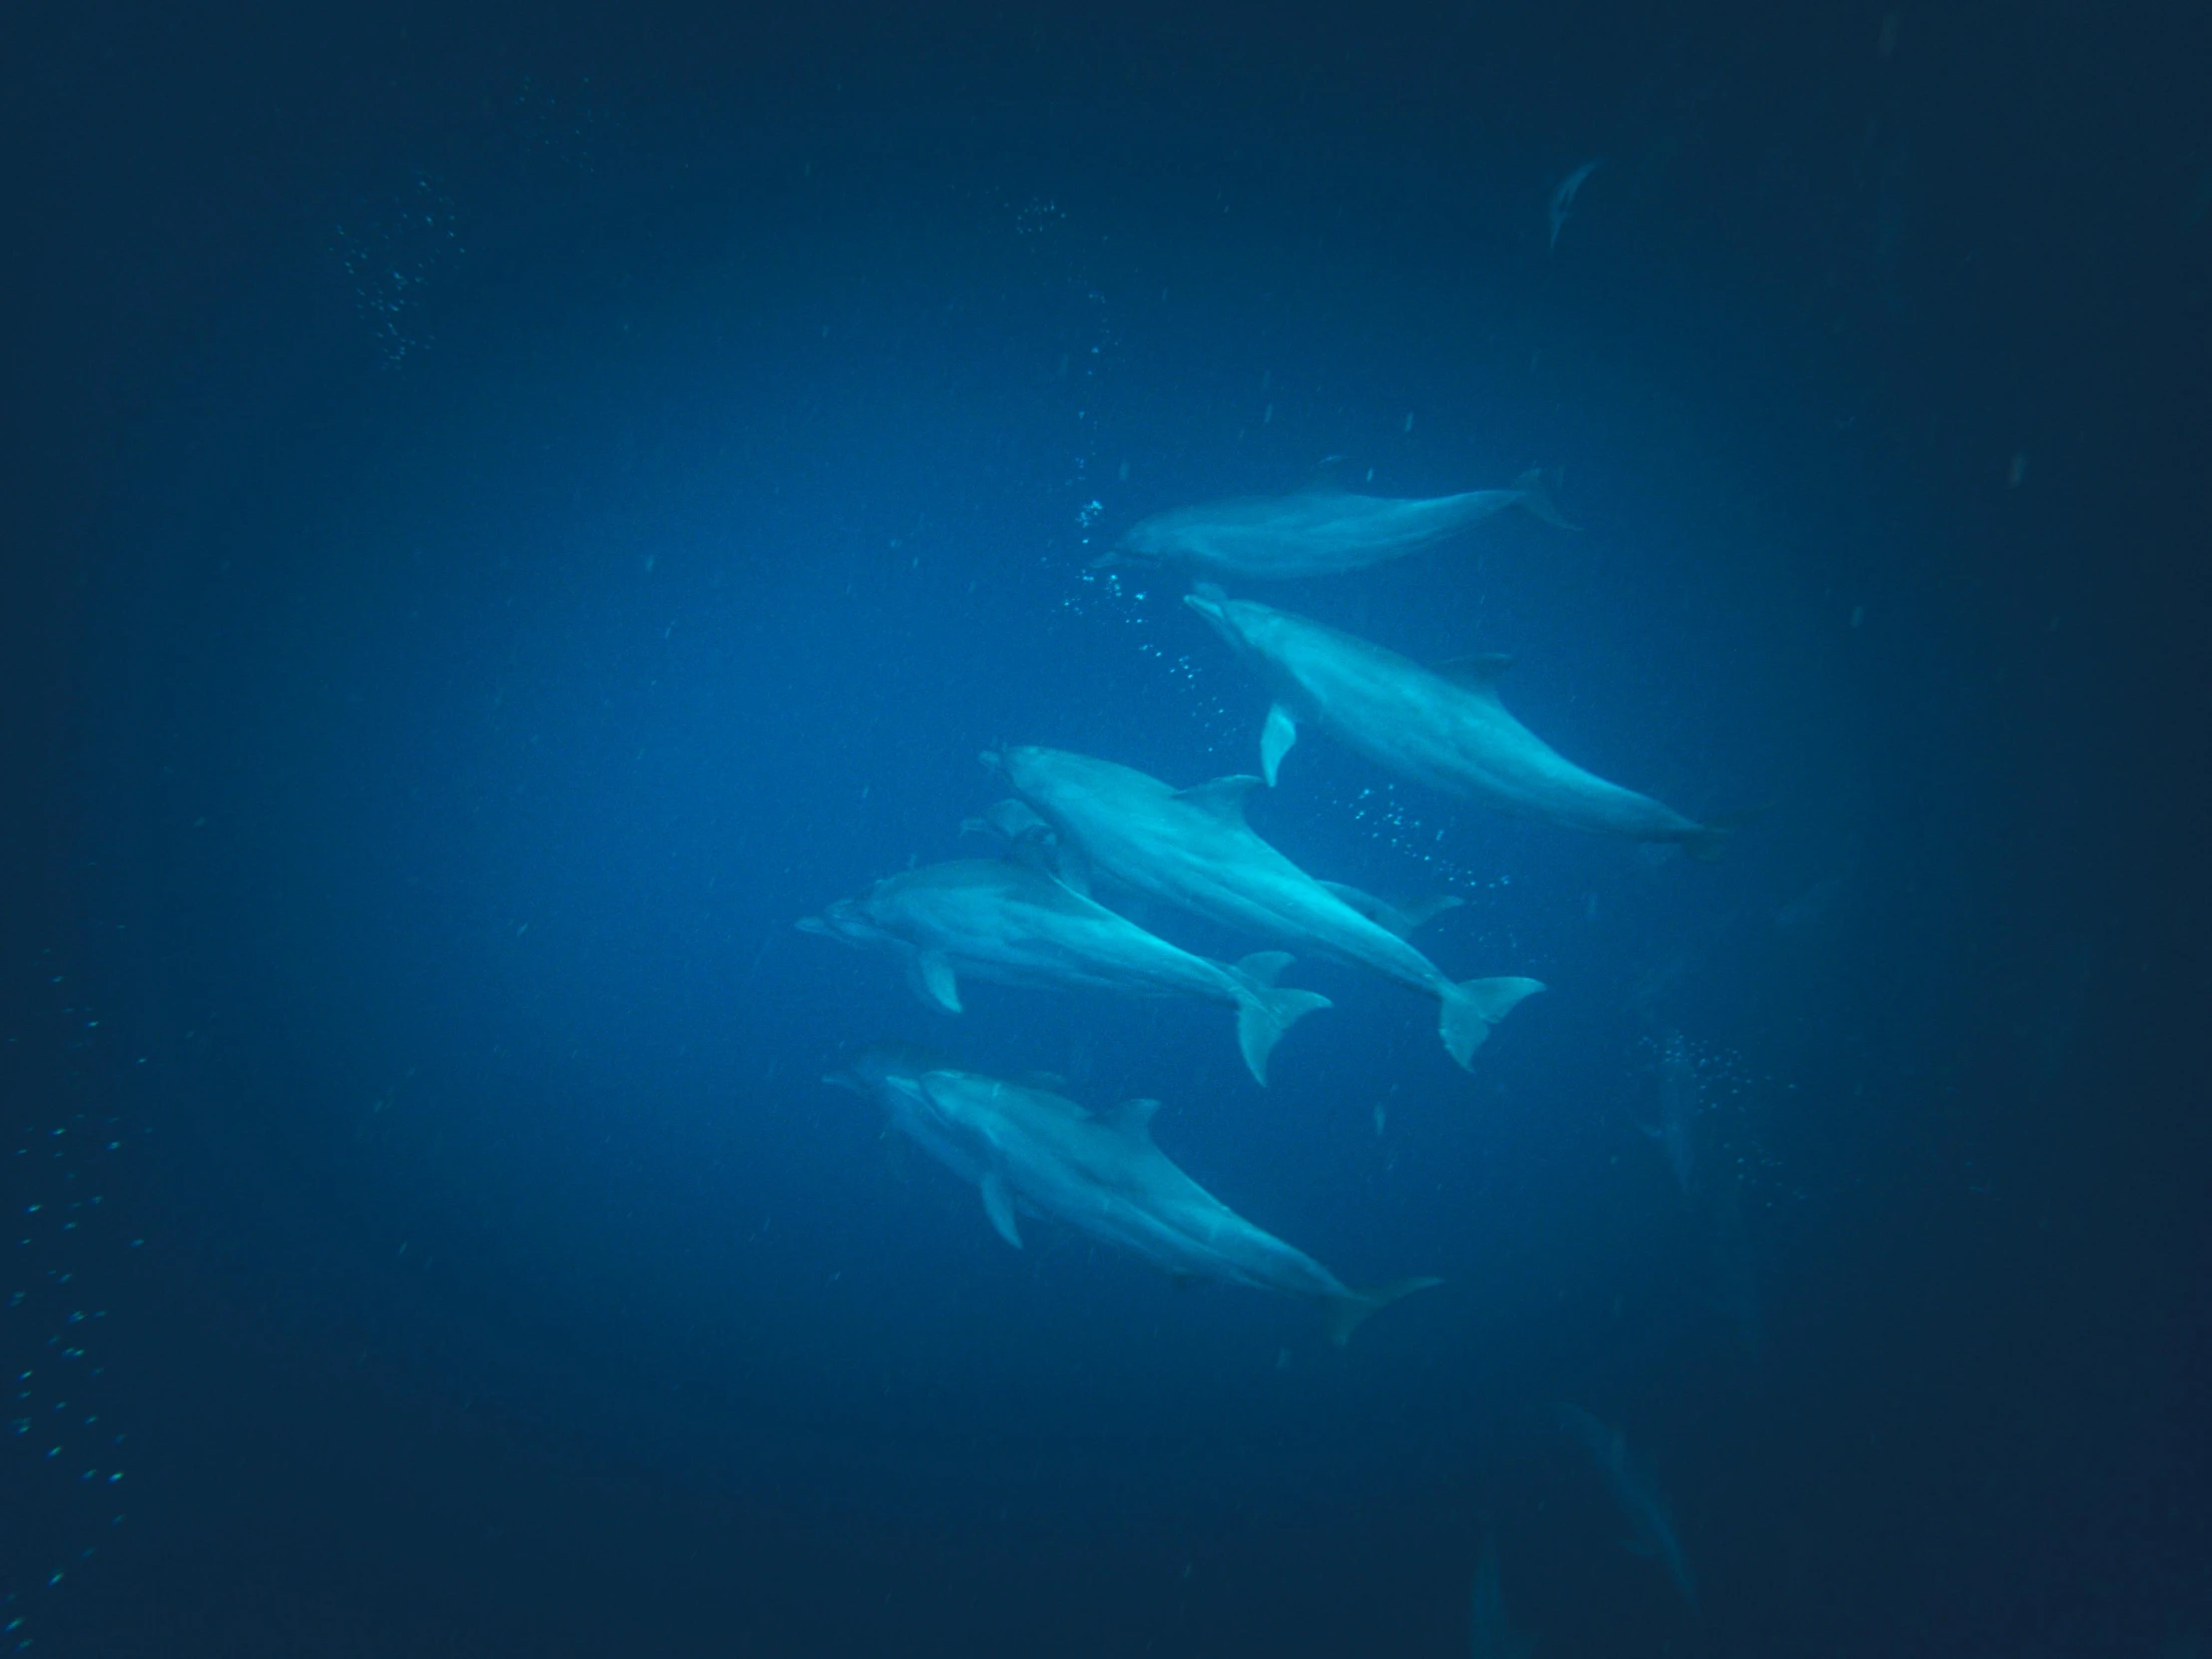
[
  {"x": 1132, "y": 1118},
  {"x": 1479, "y": 673},
  {"x": 931, "y": 975},
  {"x": 1224, "y": 798}
]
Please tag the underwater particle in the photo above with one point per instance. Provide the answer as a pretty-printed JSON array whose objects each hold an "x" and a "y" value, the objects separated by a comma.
[
  {"x": 2015, "y": 474},
  {"x": 390, "y": 254}
]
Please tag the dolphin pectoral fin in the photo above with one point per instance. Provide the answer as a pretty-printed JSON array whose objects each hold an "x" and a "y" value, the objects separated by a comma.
[
  {"x": 1342, "y": 1314},
  {"x": 1472, "y": 1007},
  {"x": 931, "y": 976},
  {"x": 1264, "y": 1012},
  {"x": 998, "y": 1204},
  {"x": 1399, "y": 920},
  {"x": 1275, "y": 739},
  {"x": 1224, "y": 798},
  {"x": 1710, "y": 840}
]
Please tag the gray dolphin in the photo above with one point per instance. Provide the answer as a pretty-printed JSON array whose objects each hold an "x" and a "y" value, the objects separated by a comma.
[
  {"x": 1006, "y": 920},
  {"x": 1635, "y": 1492},
  {"x": 1193, "y": 849},
  {"x": 1318, "y": 531},
  {"x": 1493, "y": 1634},
  {"x": 1031, "y": 1151},
  {"x": 1444, "y": 728},
  {"x": 1681, "y": 1097},
  {"x": 870, "y": 1073},
  {"x": 1562, "y": 199}
]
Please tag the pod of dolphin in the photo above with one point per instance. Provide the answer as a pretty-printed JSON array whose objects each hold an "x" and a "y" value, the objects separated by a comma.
[{"x": 1030, "y": 918}]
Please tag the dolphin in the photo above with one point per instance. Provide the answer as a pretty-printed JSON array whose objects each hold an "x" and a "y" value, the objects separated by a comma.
[
  {"x": 1562, "y": 199},
  {"x": 1318, "y": 531},
  {"x": 1193, "y": 849},
  {"x": 1444, "y": 728},
  {"x": 1492, "y": 1633},
  {"x": 1680, "y": 1098},
  {"x": 1007, "y": 920},
  {"x": 1034, "y": 1152},
  {"x": 1635, "y": 1492},
  {"x": 869, "y": 1075}
]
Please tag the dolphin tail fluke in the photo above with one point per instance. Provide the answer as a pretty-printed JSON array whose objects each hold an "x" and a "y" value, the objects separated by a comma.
[
  {"x": 1710, "y": 840},
  {"x": 1264, "y": 1012},
  {"x": 1344, "y": 1313},
  {"x": 1536, "y": 495},
  {"x": 1472, "y": 1006}
]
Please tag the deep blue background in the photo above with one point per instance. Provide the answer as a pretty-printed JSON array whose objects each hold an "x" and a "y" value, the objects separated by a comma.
[{"x": 507, "y": 511}]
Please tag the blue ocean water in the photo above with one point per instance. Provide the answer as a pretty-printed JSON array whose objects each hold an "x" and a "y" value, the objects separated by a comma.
[{"x": 545, "y": 505}]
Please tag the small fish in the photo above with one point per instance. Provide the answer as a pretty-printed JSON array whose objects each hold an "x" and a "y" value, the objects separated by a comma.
[{"x": 1562, "y": 199}]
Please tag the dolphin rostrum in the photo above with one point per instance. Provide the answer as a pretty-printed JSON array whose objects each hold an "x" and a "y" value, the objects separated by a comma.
[
  {"x": 1635, "y": 1492},
  {"x": 1318, "y": 531},
  {"x": 1444, "y": 728},
  {"x": 1562, "y": 199},
  {"x": 1031, "y": 1151},
  {"x": 1007, "y": 920},
  {"x": 1193, "y": 849}
]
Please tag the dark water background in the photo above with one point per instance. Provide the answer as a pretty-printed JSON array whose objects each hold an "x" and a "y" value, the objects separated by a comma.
[{"x": 507, "y": 511}]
